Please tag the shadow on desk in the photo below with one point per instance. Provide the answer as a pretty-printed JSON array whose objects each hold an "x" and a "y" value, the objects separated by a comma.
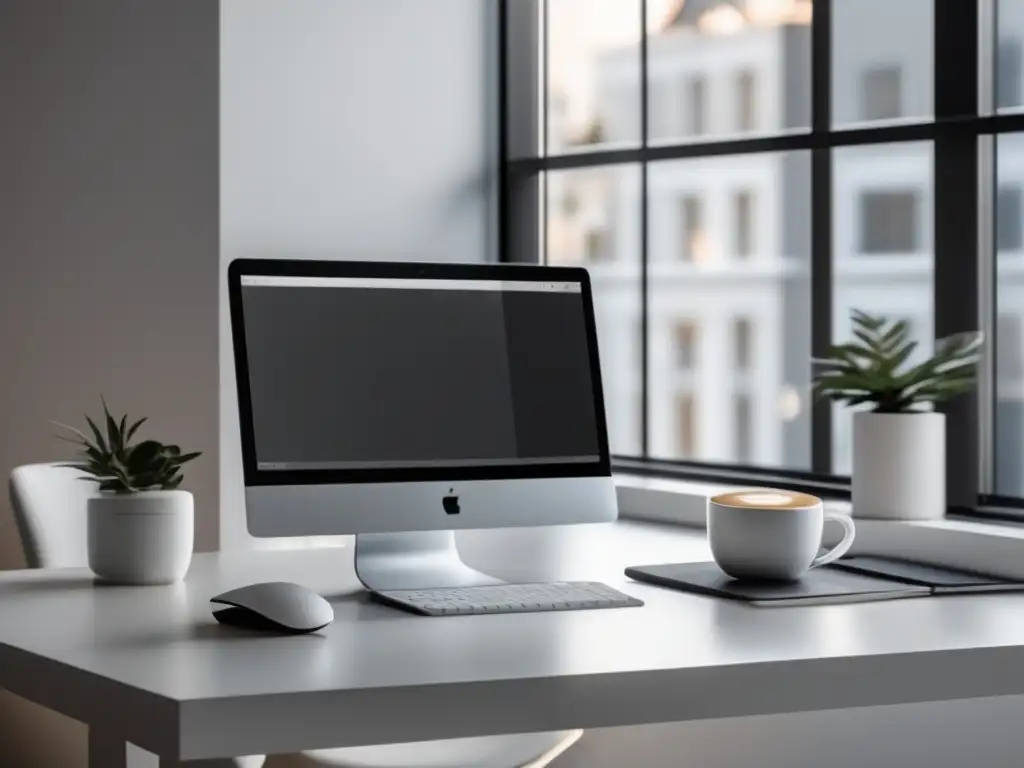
[{"x": 51, "y": 584}]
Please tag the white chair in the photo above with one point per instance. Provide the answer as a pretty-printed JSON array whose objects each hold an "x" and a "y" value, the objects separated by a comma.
[{"x": 49, "y": 511}]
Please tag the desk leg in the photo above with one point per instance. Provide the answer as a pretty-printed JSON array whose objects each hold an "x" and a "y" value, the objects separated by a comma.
[{"x": 106, "y": 750}]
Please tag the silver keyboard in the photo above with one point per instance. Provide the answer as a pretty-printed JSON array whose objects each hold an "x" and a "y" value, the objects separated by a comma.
[{"x": 507, "y": 598}]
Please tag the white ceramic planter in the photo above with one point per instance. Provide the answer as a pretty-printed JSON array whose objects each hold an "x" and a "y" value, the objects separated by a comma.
[
  {"x": 899, "y": 466},
  {"x": 141, "y": 538}
]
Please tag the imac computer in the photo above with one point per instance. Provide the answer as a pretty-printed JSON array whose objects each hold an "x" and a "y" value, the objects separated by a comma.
[{"x": 401, "y": 402}]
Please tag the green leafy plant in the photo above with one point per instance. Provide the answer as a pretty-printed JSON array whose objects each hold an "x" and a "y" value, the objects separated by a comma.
[
  {"x": 874, "y": 368},
  {"x": 117, "y": 465}
]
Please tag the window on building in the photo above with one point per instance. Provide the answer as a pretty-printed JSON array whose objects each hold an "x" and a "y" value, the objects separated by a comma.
[
  {"x": 889, "y": 222},
  {"x": 743, "y": 425},
  {"x": 686, "y": 341},
  {"x": 692, "y": 226},
  {"x": 1008, "y": 73},
  {"x": 696, "y": 102},
  {"x": 1010, "y": 219},
  {"x": 686, "y": 425},
  {"x": 742, "y": 344},
  {"x": 570, "y": 203},
  {"x": 595, "y": 246},
  {"x": 746, "y": 101},
  {"x": 1010, "y": 353},
  {"x": 881, "y": 92},
  {"x": 743, "y": 207}
]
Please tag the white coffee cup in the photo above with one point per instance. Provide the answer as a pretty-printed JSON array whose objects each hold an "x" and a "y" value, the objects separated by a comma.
[{"x": 763, "y": 533}]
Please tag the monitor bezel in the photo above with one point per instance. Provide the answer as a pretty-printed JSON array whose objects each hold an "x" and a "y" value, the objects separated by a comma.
[{"x": 253, "y": 476}]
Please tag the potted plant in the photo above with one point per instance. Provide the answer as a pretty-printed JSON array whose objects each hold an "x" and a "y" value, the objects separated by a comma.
[
  {"x": 140, "y": 524},
  {"x": 899, "y": 461}
]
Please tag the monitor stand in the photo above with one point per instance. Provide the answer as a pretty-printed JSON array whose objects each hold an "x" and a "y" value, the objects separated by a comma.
[{"x": 414, "y": 560}]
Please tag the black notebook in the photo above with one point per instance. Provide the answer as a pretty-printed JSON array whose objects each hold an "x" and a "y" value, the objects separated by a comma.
[
  {"x": 821, "y": 585},
  {"x": 859, "y": 579},
  {"x": 939, "y": 579}
]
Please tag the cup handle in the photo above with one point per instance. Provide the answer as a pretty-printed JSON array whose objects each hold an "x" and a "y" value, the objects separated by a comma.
[{"x": 843, "y": 546}]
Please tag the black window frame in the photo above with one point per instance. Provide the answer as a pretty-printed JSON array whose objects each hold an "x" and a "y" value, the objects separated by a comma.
[{"x": 962, "y": 133}]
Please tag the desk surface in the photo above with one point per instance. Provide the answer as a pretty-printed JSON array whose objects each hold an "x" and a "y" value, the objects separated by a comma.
[{"x": 153, "y": 663}]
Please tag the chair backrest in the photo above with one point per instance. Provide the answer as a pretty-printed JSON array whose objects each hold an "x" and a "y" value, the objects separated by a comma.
[{"x": 49, "y": 503}]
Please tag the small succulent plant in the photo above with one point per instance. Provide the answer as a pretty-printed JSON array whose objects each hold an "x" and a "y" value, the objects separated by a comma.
[
  {"x": 118, "y": 466},
  {"x": 873, "y": 369}
]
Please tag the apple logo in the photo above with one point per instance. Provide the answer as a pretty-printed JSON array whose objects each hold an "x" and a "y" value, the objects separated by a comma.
[{"x": 451, "y": 503}]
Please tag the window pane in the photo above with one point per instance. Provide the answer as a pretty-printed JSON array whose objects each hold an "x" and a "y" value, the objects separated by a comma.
[
  {"x": 738, "y": 314},
  {"x": 744, "y": 223},
  {"x": 1008, "y": 457},
  {"x": 601, "y": 230},
  {"x": 593, "y": 73},
  {"x": 724, "y": 68},
  {"x": 686, "y": 344},
  {"x": 882, "y": 60},
  {"x": 691, "y": 222},
  {"x": 882, "y": 92},
  {"x": 743, "y": 425},
  {"x": 889, "y": 221},
  {"x": 1009, "y": 61},
  {"x": 742, "y": 338},
  {"x": 686, "y": 428},
  {"x": 1008, "y": 218},
  {"x": 882, "y": 254}
]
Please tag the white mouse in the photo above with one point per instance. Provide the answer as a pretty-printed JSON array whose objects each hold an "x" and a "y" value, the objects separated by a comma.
[{"x": 278, "y": 606}]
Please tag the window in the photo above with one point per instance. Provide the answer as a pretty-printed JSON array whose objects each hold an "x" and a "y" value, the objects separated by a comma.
[
  {"x": 743, "y": 424},
  {"x": 742, "y": 340},
  {"x": 1010, "y": 341},
  {"x": 746, "y": 101},
  {"x": 747, "y": 204},
  {"x": 883, "y": 60},
  {"x": 693, "y": 243},
  {"x": 613, "y": 113},
  {"x": 686, "y": 345},
  {"x": 743, "y": 204},
  {"x": 595, "y": 248},
  {"x": 612, "y": 206},
  {"x": 739, "y": 71},
  {"x": 889, "y": 222},
  {"x": 1009, "y": 219},
  {"x": 1008, "y": 313},
  {"x": 881, "y": 93},
  {"x": 696, "y": 102},
  {"x": 1008, "y": 74},
  {"x": 686, "y": 426}
]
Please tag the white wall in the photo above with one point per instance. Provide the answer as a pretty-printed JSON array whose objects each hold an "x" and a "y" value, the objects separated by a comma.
[
  {"x": 108, "y": 252},
  {"x": 352, "y": 130}
]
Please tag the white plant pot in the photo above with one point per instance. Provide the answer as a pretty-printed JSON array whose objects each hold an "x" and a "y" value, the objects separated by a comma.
[
  {"x": 140, "y": 538},
  {"x": 899, "y": 466}
]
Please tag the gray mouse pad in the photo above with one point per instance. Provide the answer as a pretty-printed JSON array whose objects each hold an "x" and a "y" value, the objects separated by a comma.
[{"x": 818, "y": 586}]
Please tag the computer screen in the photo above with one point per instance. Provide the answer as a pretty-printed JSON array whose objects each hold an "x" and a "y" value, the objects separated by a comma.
[{"x": 351, "y": 373}]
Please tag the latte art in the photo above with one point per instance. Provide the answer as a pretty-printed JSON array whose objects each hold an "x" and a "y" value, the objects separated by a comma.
[{"x": 766, "y": 498}]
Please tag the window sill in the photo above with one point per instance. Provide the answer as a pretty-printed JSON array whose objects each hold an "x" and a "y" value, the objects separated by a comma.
[{"x": 986, "y": 547}]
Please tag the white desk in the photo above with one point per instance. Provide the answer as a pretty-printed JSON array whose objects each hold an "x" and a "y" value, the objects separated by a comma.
[{"x": 151, "y": 666}]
